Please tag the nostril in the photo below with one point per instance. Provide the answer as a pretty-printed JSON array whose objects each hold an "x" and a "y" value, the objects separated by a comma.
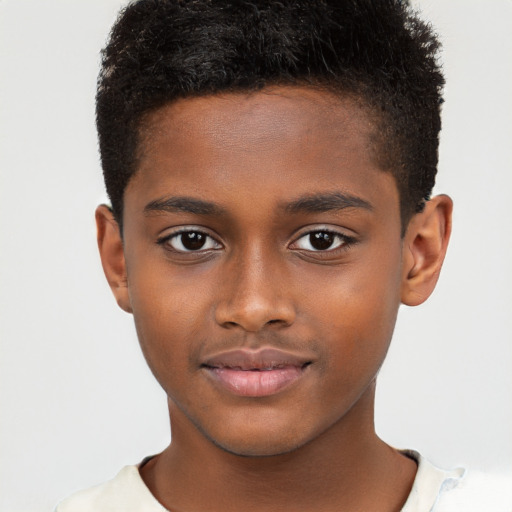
[
  {"x": 277, "y": 322},
  {"x": 254, "y": 314}
]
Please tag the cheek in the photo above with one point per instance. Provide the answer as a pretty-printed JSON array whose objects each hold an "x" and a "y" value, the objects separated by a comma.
[
  {"x": 363, "y": 297},
  {"x": 356, "y": 310},
  {"x": 168, "y": 316},
  {"x": 168, "y": 298}
]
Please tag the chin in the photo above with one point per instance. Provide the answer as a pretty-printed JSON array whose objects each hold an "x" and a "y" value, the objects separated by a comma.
[
  {"x": 254, "y": 449},
  {"x": 265, "y": 432},
  {"x": 257, "y": 443}
]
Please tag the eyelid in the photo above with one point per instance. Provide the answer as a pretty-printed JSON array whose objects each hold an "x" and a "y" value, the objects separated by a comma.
[
  {"x": 347, "y": 240},
  {"x": 169, "y": 235}
]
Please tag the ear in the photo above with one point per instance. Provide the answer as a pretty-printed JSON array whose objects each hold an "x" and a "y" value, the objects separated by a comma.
[
  {"x": 110, "y": 244},
  {"x": 424, "y": 249}
]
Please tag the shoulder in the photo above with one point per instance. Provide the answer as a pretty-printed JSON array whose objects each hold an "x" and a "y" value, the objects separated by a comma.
[
  {"x": 428, "y": 484},
  {"x": 457, "y": 490},
  {"x": 476, "y": 492},
  {"x": 124, "y": 493}
]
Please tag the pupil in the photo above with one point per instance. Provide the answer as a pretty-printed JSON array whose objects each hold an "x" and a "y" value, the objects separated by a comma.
[
  {"x": 321, "y": 240},
  {"x": 193, "y": 241}
]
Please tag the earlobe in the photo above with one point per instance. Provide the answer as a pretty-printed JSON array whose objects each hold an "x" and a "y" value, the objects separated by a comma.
[
  {"x": 424, "y": 249},
  {"x": 110, "y": 245}
]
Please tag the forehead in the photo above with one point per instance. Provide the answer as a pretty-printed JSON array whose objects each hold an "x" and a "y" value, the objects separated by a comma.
[
  {"x": 255, "y": 120},
  {"x": 266, "y": 113},
  {"x": 280, "y": 141}
]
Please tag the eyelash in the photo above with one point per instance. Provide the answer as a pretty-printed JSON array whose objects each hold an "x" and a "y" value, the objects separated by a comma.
[
  {"x": 344, "y": 242},
  {"x": 165, "y": 240}
]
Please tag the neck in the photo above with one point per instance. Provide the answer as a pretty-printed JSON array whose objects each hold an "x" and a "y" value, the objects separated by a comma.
[{"x": 347, "y": 467}]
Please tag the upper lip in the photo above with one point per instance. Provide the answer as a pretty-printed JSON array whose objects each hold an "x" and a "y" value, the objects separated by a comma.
[{"x": 262, "y": 359}]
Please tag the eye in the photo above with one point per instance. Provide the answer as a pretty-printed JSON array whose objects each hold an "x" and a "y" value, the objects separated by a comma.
[
  {"x": 191, "y": 241},
  {"x": 321, "y": 240}
]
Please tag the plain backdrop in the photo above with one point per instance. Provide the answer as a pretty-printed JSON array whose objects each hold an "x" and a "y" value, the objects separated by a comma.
[{"x": 77, "y": 401}]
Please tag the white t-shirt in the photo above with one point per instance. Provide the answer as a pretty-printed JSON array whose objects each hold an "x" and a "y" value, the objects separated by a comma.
[{"x": 433, "y": 490}]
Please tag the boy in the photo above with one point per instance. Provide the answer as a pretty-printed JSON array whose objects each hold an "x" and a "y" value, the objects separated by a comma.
[{"x": 270, "y": 168}]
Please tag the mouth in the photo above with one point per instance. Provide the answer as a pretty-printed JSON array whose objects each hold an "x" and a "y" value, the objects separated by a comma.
[{"x": 256, "y": 373}]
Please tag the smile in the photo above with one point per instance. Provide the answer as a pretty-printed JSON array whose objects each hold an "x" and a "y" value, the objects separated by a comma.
[{"x": 255, "y": 374}]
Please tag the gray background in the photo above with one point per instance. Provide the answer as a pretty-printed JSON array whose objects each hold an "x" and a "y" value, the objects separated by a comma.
[{"x": 77, "y": 402}]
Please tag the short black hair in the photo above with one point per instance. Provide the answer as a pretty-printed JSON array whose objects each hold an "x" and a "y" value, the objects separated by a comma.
[{"x": 379, "y": 51}]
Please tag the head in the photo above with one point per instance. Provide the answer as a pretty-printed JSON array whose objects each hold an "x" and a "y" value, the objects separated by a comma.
[
  {"x": 377, "y": 52},
  {"x": 269, "y": 165}
]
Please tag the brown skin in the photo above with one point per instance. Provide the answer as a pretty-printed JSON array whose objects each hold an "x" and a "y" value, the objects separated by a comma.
[{"x": 258, "y": 283}]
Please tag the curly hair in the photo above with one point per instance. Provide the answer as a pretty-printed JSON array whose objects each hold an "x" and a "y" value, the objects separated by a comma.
[{"x": 378, "y": 50}]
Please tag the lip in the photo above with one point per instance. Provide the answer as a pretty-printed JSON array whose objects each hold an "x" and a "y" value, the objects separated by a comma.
[{"x": 260, "y": 373}]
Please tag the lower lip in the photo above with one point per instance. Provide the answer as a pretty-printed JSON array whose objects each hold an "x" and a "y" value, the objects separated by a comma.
[{"x": 256, "y": 383}]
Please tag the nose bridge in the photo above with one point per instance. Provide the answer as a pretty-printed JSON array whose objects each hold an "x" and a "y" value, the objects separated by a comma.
[{"x": 255, "y": 293}]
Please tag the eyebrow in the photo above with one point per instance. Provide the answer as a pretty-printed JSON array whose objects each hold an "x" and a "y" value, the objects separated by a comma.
[
  {"x": 183, "y": 204},
  {"x": 317, "y": 203}
]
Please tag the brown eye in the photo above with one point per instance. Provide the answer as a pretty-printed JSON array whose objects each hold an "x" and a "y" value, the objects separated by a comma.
[
  {"x": 192, "y": 241},
  {"x": 321, "y": 240}
]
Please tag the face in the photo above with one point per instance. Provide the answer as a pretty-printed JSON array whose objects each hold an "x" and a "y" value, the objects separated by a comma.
[{"x": 264, "y": 264}]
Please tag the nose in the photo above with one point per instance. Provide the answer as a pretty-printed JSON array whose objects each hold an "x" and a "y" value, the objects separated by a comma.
[{"x": 254, "y": 296}]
